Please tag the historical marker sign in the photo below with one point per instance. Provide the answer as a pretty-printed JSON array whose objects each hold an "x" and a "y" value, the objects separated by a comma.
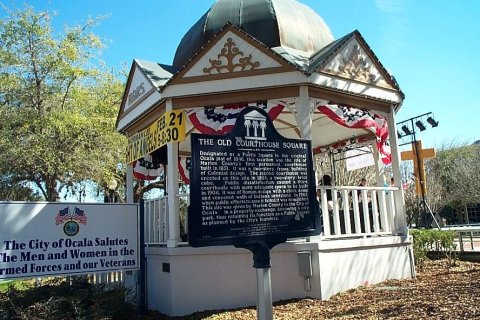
[{"x": 251, "y": 185}]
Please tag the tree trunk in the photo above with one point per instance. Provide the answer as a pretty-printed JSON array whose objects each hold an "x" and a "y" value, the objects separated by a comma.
[
  {"x": 465, "y": 211},
  {"x": 51, "y": 188},
  {"x": 459, "y": 215}
]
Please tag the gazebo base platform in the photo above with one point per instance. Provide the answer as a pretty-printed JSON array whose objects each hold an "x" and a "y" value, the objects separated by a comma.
[{"x": 183, "y": 280}]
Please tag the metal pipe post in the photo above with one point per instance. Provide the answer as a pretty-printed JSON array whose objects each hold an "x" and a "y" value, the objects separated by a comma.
[{"x": 264, "y": 294}]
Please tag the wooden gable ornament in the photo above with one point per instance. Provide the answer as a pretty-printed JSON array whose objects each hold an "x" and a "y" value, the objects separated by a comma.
[
  {"x": 354, "y": 60},
  {"x": 231, "y": 53}
]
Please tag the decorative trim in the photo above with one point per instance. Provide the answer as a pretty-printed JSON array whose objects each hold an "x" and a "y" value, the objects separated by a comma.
[
  {"x": 350, "y": 86},
  {"x": 355, "y": 62},
  {"x": 179, "y": 77},
  {"x": 124, "y": 110},
  {"x": 233, "y": 75},
  {"x": 139, "y": 101},
  {"x": 357, "y": 66},
  {"x": 235, "y": 61},
  {"x": 233, "y": 97}
]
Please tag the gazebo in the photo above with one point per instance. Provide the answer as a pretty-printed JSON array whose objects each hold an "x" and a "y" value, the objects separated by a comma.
[{"x": 280, "y": 56}]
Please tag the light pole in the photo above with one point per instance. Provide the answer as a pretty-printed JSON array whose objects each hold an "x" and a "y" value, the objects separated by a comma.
[{"x": 409, "y": 128}]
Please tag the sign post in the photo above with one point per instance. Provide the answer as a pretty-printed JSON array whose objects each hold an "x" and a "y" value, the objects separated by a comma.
[
  {"x": 254, "y": 189},
  {"x": 264, "y": 294},
  {"x": 261, "y": 262}
]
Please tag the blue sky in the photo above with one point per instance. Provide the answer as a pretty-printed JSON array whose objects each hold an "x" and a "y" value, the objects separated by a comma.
[{"x": 431, "y": 47}]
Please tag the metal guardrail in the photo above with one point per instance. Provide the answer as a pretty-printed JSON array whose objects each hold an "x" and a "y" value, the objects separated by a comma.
[{"x": 466, "y": 234}]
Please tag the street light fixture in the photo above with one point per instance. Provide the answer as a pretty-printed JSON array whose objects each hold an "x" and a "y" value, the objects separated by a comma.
[
  {"x": 411, "y": 126},
  {"x": 432, "y": 122},
  {"x": 406, "y": 130},
  {"x": 112, "y": 186},
  {"x": 420, "y": 125}
]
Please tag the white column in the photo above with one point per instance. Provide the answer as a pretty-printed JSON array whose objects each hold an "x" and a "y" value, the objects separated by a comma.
[
  {"x": 129, "y": 183},
  {"x": 303, "y": 114},
  {"x": 400, "y": 221},
  {"x": 131, "y": 277},
  {"x": 172, "y": 190},
  {"x": 304, "y": 119}
]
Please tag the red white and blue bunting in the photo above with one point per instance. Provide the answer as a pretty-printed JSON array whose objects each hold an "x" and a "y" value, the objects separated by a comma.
[
  {"x": 342, "y": 144},
  {"x": 145, "y": 169},
  {"x": 184, "y": 168},
  {"x": 220, "y": 120},
  {"x": 356, "y": 118}
]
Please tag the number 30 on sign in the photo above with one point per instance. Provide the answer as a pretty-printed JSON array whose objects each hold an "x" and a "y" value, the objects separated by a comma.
[{"x": 170, "y": 127}]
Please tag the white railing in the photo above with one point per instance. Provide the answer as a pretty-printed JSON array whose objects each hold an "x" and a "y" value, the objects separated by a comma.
[
  {"x": 156, "y": 220},
  {"x": 347, "y": 215},
  {"x": 113, "y": 277}
]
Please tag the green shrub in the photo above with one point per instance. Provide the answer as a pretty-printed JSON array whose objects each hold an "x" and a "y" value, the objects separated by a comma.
[
  {"x": 55, "y": 299},
  {"x": 433, "y": 240}
]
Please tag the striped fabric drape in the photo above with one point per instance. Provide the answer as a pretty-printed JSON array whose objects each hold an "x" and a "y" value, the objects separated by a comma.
[{"x": 350, "y": 117}]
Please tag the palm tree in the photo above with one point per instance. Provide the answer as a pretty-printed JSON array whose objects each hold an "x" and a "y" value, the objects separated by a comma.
[
  {"x": 247, "y": 125},
  {"x": 255, "y": 127},
  {"x": 263, "y": 125}
]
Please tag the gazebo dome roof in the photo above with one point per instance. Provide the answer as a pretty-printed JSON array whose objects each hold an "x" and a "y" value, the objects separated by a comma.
[{"x": 276, "y": 23}]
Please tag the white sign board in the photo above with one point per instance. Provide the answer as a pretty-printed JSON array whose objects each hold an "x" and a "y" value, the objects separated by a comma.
[
  {"x": 43, "y": 239},
  {"x": 359, "y": 158}
]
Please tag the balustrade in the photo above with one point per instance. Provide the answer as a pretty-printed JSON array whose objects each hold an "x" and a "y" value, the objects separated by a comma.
[
  {"x": 349, "y": 215},
  {"x": 357, "y": 211}
]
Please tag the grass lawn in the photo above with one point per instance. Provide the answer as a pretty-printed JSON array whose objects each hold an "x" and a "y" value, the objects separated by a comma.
[
  {"x": 19, "y": 284},
  {"x": 4, "y": 285}
]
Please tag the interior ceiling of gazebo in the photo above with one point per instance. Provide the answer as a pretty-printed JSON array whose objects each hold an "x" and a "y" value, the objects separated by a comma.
[{"x": 325, "y": 131}]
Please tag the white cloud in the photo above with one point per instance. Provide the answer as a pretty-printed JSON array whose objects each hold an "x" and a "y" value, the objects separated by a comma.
[
  {"x": 394, "y": 31},
  {"x": 390, "y": 6}
]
